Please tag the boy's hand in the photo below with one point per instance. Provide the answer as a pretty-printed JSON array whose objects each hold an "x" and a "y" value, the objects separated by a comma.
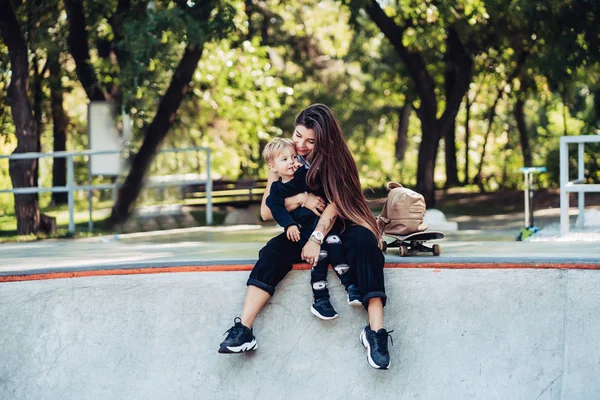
[{"x": 293, "y": 233}]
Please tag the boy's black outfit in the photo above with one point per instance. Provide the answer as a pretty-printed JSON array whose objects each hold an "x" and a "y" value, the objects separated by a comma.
[{"x": 332, "y": 250}]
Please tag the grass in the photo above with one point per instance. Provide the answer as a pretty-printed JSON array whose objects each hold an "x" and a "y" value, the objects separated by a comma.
[
  {"x": 453, "y": 202},
  {"x": 8, "y": 223}
]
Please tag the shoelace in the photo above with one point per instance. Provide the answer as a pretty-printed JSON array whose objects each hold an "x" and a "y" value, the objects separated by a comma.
[
  {"x": 235, "y": 329},
  {"x": 382, "y": 339}
]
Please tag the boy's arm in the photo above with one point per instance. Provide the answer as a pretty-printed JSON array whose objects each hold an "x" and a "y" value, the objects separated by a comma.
[{"x": 276, "y": 204}]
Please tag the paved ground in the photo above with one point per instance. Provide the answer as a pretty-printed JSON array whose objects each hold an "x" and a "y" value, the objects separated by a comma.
[
  {"x": 220, "y": 246},
  {"x": 488, "y": 319}
]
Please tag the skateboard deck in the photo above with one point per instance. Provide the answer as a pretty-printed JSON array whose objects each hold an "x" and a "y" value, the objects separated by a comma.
[{"x": 413, "y": 243}]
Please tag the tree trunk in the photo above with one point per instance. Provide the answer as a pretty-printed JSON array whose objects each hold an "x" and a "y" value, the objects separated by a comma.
[
  {"x": 467, "y": 137},
  {"x": 60, "y": 123},
  {"x": 38, "y": 98},
  {"x": 491, "y": 115},
  {"x": 156, "y": 133},
  {"x": 78, "y": 47},
  {"x": 492, "y": 112},
  {"x": 563, "y": 96},
  {"x": 428, "y": 149},
  {"x": 402, "y": 139},
  {"x": 450, "y": 153},
  {"x": 520, "y": 118},
  {"x": 21, "y": 171},
  {"x": 450, "y": 80}
]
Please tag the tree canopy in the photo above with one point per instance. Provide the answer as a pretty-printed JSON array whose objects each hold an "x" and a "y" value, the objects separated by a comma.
[{"x": 433, "y": 94}]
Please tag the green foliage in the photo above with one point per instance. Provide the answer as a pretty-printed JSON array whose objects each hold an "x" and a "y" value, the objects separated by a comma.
[{"x": 261, "y": 66}]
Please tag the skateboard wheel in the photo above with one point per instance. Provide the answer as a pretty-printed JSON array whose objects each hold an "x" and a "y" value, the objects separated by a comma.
[
  {"x": 384, "y": 246},
  {"x": 403, "y": 251},
  {"x": 436, "y": 250}
]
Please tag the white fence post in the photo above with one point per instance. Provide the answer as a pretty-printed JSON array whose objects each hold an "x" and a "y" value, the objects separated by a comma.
[
  {"x": 71, "y": 194},
  {"x": 564, "y": 179},
  {"x": 209, "y": 210},
  {"x": 581, "y": 179},
  {"x": 579, "y": 186}
]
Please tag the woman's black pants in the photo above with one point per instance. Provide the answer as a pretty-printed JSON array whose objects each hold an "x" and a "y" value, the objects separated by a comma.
[{"x": 365, "y": 258}]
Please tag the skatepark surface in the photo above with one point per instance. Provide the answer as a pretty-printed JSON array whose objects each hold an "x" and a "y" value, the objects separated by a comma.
[{"x": 141, "y": 316}]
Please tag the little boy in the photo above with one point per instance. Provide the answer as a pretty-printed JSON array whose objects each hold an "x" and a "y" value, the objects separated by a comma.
[{"x": 280, "y": 156}]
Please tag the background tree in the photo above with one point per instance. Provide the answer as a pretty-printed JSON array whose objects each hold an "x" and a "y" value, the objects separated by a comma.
[
  {"x": 202, "y": 22},
  {"x": 406, "y": 26},
  {"x": 22, "y": 172},
  {"x": 533, "y": 76}
]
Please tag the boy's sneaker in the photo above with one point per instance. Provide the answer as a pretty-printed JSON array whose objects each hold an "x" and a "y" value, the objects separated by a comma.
[
  {"x": 323, "y": 309},
  {"x": 354, "y": 296},
  {"x": 238, "y": 340},
  {"x": 376, "y": 344}
]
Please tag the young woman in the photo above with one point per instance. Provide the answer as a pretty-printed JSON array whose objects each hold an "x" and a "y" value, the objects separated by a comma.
[{"x": 320, "y": 142}]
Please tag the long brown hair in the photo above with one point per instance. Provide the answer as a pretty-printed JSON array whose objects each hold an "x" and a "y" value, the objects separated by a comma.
[{"x": 333, "y": 167}]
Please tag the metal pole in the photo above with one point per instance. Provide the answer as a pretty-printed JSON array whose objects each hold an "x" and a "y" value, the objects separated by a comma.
[
  {"x": 91, "y": 219},
  {"x": 209, "y": 210},
  {"x": 71, "y": 197},
  {"x": 564, "y": 179},
  {"x": 531, "y": 223},
  {"x": 580, "y": 177},
  {"x": 526, "y": 216}
]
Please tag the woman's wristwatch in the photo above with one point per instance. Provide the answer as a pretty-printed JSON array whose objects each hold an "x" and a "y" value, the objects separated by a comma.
[{"x": 317, "y": 237}]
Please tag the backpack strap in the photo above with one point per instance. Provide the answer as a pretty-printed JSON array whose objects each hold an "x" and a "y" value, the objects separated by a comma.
[
  {"x": 382, "y": 221},
  {"x": 392, "y": 185},
  {"x": 382, "y": 218}
]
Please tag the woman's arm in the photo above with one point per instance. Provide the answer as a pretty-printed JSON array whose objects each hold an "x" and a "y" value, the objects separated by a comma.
[
  {"x": 265, "y": 212},
  {"x": 309, "y": 200},
  {"x": 311, "y": 250}
]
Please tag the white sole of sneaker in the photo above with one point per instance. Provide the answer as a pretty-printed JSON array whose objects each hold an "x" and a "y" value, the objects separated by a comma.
[
  {"x": 365, "y": 342},
  {"x": 250, "y": 346},
  {"x": 355, "y": 303},
  {"x": 324, "y": 318}
]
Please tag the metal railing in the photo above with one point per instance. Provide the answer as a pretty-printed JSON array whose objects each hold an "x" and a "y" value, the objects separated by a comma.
[
  {"x": 577, "y": 186},
  {"x": 71, "y": 186}
]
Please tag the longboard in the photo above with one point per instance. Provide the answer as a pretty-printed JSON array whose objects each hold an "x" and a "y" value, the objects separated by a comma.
[{"x": 413, "y": 243}]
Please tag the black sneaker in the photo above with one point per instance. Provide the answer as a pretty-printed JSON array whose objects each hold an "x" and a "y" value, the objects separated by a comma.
[
  {"x": 354, "y": 296},
  {"x": 238, "y": 340},
  {"x": 376, "y": 344},
  {"x": 323, "y": 309}
]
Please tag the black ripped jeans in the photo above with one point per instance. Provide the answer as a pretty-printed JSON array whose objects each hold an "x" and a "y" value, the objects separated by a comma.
[{"x": 362, "y": 254}]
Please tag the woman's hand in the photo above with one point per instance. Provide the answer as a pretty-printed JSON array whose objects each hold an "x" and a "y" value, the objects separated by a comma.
[
  {"x": 310, "y": 252},
  {"x": 265, "y": 212},
  {"x": 314, "y": 203}
]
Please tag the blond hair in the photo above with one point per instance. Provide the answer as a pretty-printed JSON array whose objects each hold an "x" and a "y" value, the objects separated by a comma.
[{"x": 275, "y": 147}]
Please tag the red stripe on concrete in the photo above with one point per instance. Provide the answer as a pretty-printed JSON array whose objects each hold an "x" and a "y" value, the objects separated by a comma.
[
  {"x": 436, "y": 267},
  {"x": 498, "y": 265}
]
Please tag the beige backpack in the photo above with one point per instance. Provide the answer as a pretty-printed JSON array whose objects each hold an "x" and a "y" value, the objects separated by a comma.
[{"x": 403, "y": 211}]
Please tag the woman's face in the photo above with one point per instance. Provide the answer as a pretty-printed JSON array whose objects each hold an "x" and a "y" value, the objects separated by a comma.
[{"x": 304, "y": 140}]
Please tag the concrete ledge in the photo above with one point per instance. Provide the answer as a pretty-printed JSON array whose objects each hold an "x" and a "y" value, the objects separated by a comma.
[
  {"x": 161, "y": 268},
  {"x": 458, "y": 334}
]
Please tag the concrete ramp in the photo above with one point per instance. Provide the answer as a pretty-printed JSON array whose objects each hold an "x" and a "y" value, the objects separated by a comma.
[{"x": 458, "y": 334}]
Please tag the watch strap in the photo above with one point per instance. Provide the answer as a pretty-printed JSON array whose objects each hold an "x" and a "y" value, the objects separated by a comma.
[{"x": 314, "y": 239}]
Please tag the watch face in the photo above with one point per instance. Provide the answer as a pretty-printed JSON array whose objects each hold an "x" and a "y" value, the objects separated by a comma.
[{"x": 318, "y": 235}]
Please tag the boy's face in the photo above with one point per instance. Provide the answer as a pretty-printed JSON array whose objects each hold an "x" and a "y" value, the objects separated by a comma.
[{"x": 285, "y": 163}]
